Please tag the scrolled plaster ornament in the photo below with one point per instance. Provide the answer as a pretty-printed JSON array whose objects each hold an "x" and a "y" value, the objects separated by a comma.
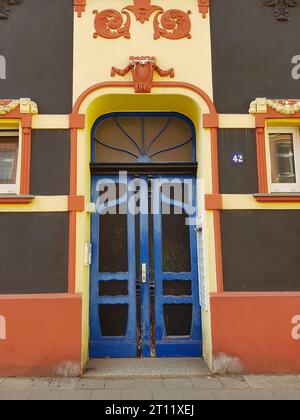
[
  {"x": 111, "y": 24},
  {"x": 142, "y": 9},
  {"x": 143, "y": 69},
  {"x": 173, "y": 24}
]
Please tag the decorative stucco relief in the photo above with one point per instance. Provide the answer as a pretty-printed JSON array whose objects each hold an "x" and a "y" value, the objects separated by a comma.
[
  {"x": 142, "y": 69},
  {"x": 26, "y": 106},
  {"x": 282, "y": 106},
  {"x": 171, "y": 24}
]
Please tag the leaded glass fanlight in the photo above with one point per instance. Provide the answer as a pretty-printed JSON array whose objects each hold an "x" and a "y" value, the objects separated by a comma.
[{"x": 143, "y": 138}]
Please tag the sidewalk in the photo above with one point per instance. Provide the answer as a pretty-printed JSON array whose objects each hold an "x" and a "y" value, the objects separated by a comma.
[{"x": 197, "y": 388}]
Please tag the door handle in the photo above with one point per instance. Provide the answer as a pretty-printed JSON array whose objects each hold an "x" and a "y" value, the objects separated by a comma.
[{"x": 144, "y": 273}]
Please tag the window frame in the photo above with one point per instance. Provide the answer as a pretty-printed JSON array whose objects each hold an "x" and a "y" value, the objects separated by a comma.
[
  {"x": 284, "y": 187},
  {"x": 12, "y": 189}
]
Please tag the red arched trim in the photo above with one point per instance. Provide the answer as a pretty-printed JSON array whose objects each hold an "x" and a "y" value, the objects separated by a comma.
[
  {"x": 210, "y": 122},
  {"x": 183, "y": 85}
]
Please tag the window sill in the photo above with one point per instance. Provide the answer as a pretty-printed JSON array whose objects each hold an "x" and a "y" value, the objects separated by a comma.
[
  {"x": 16, "y": 199},
  {"x": 278, "y": 198}
]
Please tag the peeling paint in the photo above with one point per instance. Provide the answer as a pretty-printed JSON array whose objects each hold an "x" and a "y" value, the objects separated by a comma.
[
  {"x": 68, "y": 370},
  {"x": 226, "y": 364}
]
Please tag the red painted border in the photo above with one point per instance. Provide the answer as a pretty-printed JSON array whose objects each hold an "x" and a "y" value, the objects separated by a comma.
[
  {"x": 16, "y": 199},
  {"x": 76, "y": 121},
  {"x": 79, "y": 7},
  {"x": 260, "y": 337},
  {"x": 213, "y": 202},
  {"x": 76, "y": 203},
  {"x": 277, "y": 198},
  {"x": 43, "y": 335},
  {"x": 230, "y": 295},
  {"x": 204, "y": 7},
  {"x": 45, "y": 296}
]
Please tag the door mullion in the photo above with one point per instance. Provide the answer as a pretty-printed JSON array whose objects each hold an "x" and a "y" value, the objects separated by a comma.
[{"x": 145, "y": 259}]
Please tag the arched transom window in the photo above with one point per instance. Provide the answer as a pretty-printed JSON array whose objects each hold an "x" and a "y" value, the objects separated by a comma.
[{"x": 143, "y": 138}]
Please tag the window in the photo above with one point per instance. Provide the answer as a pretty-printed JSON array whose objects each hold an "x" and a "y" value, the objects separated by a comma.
[
  {"x": 9, "y": 152},
  {"x": 284, "y": 159},
  {"x": 143, "y": 138}
]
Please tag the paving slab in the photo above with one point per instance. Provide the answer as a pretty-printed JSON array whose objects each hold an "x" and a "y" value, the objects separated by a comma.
[
  {"x": 287, "y": 381},
  {"x": 168, "y": 395},
  {"x": 141, "y": 383},
  {"x": 15, "y": 384},
  {"x": 106, "y": 395},
  {"x": 177, "y": 383},
  {"x": 65, "y": 384},
  {"x": 207, "y": 383},
  {"x": 14, "y": 395},
  {"x": 198, "y": 395},
  {"x": 287, "y": 394},
  {"x": 260, "y": 381},
  {"x": 233, "y": 382},
  {"x": 244, "y": 395},
  {"x": 44, "y": 384},
  {"x": 146, "y": 368},
  {"x": 44, "y": 395},
  {"x": 90, "y": 384},
  {"x": 120, "y": 384},
  {"x": 137, "y": 395},
  {"x": 76, "y": 395}
]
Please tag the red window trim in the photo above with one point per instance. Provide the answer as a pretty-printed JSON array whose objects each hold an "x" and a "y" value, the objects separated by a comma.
[
  {"x": 260, "y": 122},
  {"x": 26, "y": 124}
]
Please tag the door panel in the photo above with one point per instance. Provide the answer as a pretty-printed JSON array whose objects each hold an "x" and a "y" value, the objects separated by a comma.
[
  {"x": 178, "y": 318},
  {"x": 113, "y": 275},
  {"x": 144, "y": 279}
]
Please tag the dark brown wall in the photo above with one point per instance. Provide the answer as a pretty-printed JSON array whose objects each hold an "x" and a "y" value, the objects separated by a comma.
[
  {"x": 33, "y": 253},
  {"x": 37, "y": 42},
  {"x": 237, "y": 178},
  {"x": 50, "y": 162},
  {"x": 252, "y": 53},
  {"x": 261, "y": 250}
]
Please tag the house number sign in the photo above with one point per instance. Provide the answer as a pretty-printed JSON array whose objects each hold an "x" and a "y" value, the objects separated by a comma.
[{"x": 237, "y": 158}]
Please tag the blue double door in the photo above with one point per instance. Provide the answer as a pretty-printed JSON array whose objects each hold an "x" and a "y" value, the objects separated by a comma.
[{"x": 144, "y": 296}]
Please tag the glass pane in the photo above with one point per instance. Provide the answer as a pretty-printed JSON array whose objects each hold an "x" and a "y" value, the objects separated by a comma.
[
  {"x": 113, "y": 320},
  {"x": 113, "y": 288},
  {"x": 176, "y": 243},
  {"x": 177, "y": 288},
  {"x": 143, "y": 138},
  {"x": 282, "y": 158},
  {"x": 113, "y": 250},
  {"x": 178, "y": 320},
  {"x": 8, "y": 159}
]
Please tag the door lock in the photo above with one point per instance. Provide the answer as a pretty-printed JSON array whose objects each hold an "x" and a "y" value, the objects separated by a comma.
[{"x": 144, "y": 273}]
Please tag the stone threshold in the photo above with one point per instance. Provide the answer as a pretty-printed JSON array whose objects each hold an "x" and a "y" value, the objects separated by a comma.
[{"x": 146, "y": 368}]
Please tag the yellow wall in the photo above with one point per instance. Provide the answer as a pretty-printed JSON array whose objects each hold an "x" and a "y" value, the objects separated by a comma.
[
  {"x": 94, "y": 58},
  {"x": 110, "y": 100}
]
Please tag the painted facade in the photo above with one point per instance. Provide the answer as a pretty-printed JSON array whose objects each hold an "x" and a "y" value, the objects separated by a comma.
[{"x": 200, "y": 61}]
